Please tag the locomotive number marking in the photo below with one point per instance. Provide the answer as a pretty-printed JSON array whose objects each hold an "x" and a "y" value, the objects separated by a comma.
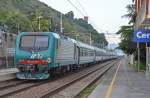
[{"x": 36, "y": 56}]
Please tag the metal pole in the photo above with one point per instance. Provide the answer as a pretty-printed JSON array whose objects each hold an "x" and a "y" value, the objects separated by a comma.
[
  {"x": 50, "y": 23},
  {"x": 138, "y": 57},
  {"x": 148, "y": 52},
  {"x": 76, "y": 37},
  {"x": 146, "y": 58},
  {"x": 61, "y": 29},
  {"x": 39, "y": 26}
]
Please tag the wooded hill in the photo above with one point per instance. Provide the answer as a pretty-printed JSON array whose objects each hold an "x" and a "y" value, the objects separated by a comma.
[{"x": 25, "y": 15}]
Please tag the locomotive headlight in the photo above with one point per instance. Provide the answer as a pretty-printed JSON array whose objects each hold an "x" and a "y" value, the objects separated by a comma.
[{"x": 49, "y": 60}]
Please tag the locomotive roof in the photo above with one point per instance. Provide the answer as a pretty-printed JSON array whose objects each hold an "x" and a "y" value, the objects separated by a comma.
[
  {"x": 100, "y": 49},
  {"x": 80, "y": 44}
]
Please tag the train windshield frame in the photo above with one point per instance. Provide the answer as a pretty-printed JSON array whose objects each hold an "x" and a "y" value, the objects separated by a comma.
[{"x": 34, "y": 42}]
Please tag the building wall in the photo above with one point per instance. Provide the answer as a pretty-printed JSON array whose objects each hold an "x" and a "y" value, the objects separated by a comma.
[
  {"x": 139, "y": 5},
  {"x": 8, "y": 41},
  {"x": 143, "y": 14},
  {"x": 148, "y": 8},
  {"x": 7, "y": 50}
]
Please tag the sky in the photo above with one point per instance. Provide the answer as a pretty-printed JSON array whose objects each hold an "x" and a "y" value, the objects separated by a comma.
[{"x": 104, "y": 15}]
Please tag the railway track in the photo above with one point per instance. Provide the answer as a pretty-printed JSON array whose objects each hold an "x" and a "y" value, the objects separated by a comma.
[
  {"x": 11, "y": 83},
  {"x": 43, "y": 89},
  {"x": 17, "y": 87},
  {"x": 74, "y": 87}
]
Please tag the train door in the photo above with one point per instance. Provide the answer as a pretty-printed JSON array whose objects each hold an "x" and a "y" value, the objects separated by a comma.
[{"x": 77, "y": 55}]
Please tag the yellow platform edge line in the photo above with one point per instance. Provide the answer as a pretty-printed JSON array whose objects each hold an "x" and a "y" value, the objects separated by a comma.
[{"x": 110, "y": 87}]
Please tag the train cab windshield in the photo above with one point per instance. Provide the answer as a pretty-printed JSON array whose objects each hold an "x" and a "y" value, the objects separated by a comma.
[{"x": 34, "y": 42}]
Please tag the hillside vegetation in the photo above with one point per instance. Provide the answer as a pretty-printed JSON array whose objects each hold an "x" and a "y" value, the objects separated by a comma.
[{"x": 25, "y": 15}]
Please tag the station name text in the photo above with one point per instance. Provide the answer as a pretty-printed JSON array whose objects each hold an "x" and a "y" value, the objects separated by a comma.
[{"x": 142, "y": 35}]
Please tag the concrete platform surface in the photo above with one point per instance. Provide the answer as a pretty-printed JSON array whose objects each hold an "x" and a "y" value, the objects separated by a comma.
[
  {"x": 6, "y": 74},
  {"x": 128, "y": 84}
]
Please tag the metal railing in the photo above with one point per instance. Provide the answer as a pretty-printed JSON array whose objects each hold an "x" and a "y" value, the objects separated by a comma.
[{"x": 7, "y": 50}]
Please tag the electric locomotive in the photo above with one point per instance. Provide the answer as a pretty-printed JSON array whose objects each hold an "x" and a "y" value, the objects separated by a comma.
[{"x": 38, "y": 52}]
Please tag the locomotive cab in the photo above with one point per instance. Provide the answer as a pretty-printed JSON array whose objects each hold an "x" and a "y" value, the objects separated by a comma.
[{"x": 33, "y": 57}]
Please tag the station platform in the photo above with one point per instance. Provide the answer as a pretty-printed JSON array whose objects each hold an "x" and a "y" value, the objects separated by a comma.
[
  {"x": 124, "y": 83},
  {"x": 6, "y": 74}
]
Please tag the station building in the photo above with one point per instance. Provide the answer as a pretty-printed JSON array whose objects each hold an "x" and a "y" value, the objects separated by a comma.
[
  {"x": 143, "y": 14},
  {"x": 142, "y": 9},
  {"x": 7, "y": 50}
]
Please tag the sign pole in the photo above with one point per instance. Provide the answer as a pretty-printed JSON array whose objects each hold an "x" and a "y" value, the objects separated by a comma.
[
  {"x": 138, "y": 56},
  {"x": 146, "y": 58}
]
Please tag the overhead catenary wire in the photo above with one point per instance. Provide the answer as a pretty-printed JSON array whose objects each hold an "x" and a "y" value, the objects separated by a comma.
[
  {"x": 91, "y": 21},
  {"x": 76, "y": 8},
  {"x": 82, "y": 7}
]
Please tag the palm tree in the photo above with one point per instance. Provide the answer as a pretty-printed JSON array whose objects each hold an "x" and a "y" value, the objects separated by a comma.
[
  {"x": 131, "y": 14},
  {"x": 126, "y": 30}
]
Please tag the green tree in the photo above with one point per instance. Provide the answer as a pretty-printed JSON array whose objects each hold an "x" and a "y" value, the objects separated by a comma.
[
  {"x": 13, "y": 20},
  {"x": 25, "y": 13},
  {"x": 70, "y": 15},
  {"x": 126, "y": 30},
  {"x": 37, "y": 19},
  {"x": 131, "y": 14}
]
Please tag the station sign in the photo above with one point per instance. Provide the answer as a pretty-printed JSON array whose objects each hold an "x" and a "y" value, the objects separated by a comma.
[{"x": 141, "y": 35}]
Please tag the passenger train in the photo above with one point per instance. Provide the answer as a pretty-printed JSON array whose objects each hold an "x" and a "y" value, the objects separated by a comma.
[{"x": 37, "y": 54}]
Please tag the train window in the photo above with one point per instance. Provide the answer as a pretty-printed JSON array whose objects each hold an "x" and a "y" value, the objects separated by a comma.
[
  {"x": 91, "y": 54},
  {"x": 41, "y": 41},
  {"x": 38, "y": 42},
  {"x": 81, "y": 52},
  {"x": 27, "y": 41},
  {"x": 86, "y": 52}
]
